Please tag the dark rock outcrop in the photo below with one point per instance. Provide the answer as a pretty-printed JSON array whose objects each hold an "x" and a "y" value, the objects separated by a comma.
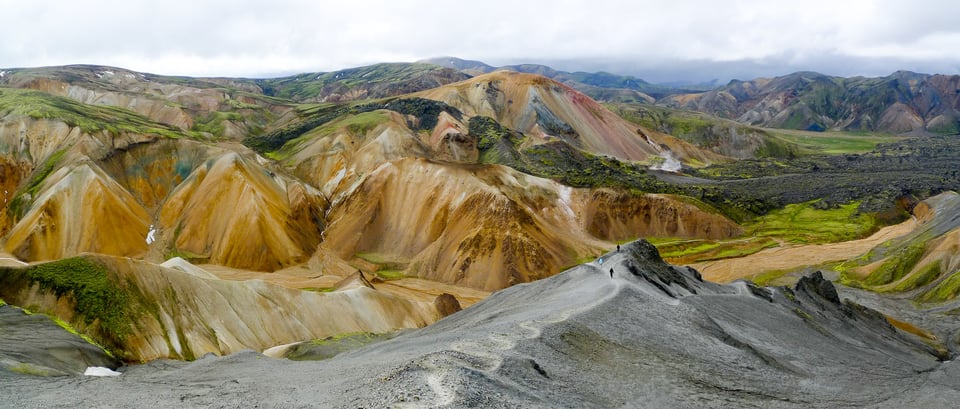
[{"x": 447, "y": 304}]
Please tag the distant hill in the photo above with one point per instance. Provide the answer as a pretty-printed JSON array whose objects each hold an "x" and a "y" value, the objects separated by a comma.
[
  {"x": 602, "y": 86},
  {"x": 373, "y": 81},
  {"x": 901, "y": 103}
]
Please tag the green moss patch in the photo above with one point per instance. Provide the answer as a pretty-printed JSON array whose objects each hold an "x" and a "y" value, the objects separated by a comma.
[
  {"x": 89, "y": 118},
  {"x": 944, "y": 291},
  {"x": 331, "y": 346},
  {"x": 98, "y": 299},
  {"x": 806, "y": 223},
  {"x": 23, "y": 200},
  {"x": 692, "y": 251},
  {"x": 925, "y": 276},
  {"x": 897, "y": 264},
  {"x": 388, "y": 275}
]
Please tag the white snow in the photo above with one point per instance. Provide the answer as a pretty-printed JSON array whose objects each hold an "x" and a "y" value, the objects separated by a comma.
[
  {"x": 100, "y": 371},
  {"x": 150, "y": 235},
  {"x": 2, "y": 74}
]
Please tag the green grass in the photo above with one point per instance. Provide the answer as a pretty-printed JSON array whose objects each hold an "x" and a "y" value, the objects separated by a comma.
[
  {"x": 897, "y": 265},
  {"x": 388, "y": 275},
  {"x": 806, "y": 224},
  {"x": 214, "y": 123},
  {"x": 920, "y": 278},
  {"x": 832, "y": 143},
  {"x": 767, "y": 278},
  {"x": 22, "y": 201},
  {"x": 945, "y": 291},
  {"x": 89, "y": 118},
  {"x": 690, "y": 251},
  {"x": 97, "y": 298},
  {"x": 385, "y": 263}
]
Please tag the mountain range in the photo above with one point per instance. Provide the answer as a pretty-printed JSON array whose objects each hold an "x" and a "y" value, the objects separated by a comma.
[{"x": 170, "y": 217}]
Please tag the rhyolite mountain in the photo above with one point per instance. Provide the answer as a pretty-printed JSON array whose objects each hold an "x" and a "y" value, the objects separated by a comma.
[
  {"x": 280, "y": 202},
  {"x": 172, "y": 217},
  {"x": 901, "y": 103}
]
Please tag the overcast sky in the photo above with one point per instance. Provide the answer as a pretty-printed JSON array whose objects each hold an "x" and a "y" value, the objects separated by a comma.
[{"x": 656, "y": 40}]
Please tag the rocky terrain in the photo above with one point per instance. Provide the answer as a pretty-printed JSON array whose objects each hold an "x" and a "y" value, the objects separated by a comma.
[
  {"x": 653, "y": 335},
  {"x": 268, "y": 206},
  {"x": 176, "y": 228},
  {"x": 901, "y": 103}
]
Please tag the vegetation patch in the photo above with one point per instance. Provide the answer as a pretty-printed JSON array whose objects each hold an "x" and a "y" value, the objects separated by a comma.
[
  {"x": 925, "y": 276},
  {"x": 897, "y": 264},
  {"x": 388, "y": 275},
  {"x": 383, "y": 261},
  {"x": 426, "y": 111},
  {"x": 89, "y": 118},
  {"x": 768, "y": 278},
  {"x": 832, "y": 143},
  {"x": 331, "y": 346},
  {"x": 809, "y": 223},
  {"x": 944, "y": 291},
  {"x": 24, "y": 199},
  {"x": 687, "y": 251},
  {"x": 97, "y": 298},
  {"x": 707, "y": 131},
  {"x": 214, "y": 122}
]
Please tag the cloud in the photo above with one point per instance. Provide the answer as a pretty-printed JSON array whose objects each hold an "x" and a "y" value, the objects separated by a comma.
[{"x": 284, "y": 36}]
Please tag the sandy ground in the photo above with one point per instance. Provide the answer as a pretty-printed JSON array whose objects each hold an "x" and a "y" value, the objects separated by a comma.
[{"x": 797, "y": 256}]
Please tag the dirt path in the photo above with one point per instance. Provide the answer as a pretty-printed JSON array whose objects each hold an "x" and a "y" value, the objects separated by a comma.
[{"x": 797, "y": 256}]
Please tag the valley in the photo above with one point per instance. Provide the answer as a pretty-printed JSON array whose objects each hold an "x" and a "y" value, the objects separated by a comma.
[{"x": 462, "y": 221}]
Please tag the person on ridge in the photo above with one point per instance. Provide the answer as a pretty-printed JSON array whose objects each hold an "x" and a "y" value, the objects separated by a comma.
[{"x": 611, "y": 273}]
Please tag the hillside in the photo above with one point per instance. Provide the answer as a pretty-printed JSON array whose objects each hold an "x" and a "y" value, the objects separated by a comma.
[
  {"x": 546, "y": 109},
  {"x": 370, "y": 82},
  {"x": 652, "y": 335},
  {"x": 602, "y": 86},
  {"x": 223, "y": 218},
  {"x": 901, "y": 103}
]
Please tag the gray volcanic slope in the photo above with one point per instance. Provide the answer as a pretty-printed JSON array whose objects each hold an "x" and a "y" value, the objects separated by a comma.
[{"x": 654, "y": 336}]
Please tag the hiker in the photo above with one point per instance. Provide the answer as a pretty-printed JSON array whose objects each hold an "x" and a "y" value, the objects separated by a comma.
[
  {"x": 618, "y": 248},
  {"x": 600, "y": 261},
  {"x": 611, "y": 273}
]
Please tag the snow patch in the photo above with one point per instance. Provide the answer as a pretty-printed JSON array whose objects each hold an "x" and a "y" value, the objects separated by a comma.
[
  {"x": 3, "y": 74},
  {"x": 151, "y": 235},
  {"x": 566, "y": 200},
  {"x": 669, "y": 164},
  {"x": 100, "y": 371}
]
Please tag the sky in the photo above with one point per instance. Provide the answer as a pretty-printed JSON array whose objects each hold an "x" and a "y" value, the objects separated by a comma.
[{"x": 660, "y": 41}]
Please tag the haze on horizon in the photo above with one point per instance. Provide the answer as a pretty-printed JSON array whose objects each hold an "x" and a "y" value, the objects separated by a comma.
[{"x": 681, "y": 41}]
